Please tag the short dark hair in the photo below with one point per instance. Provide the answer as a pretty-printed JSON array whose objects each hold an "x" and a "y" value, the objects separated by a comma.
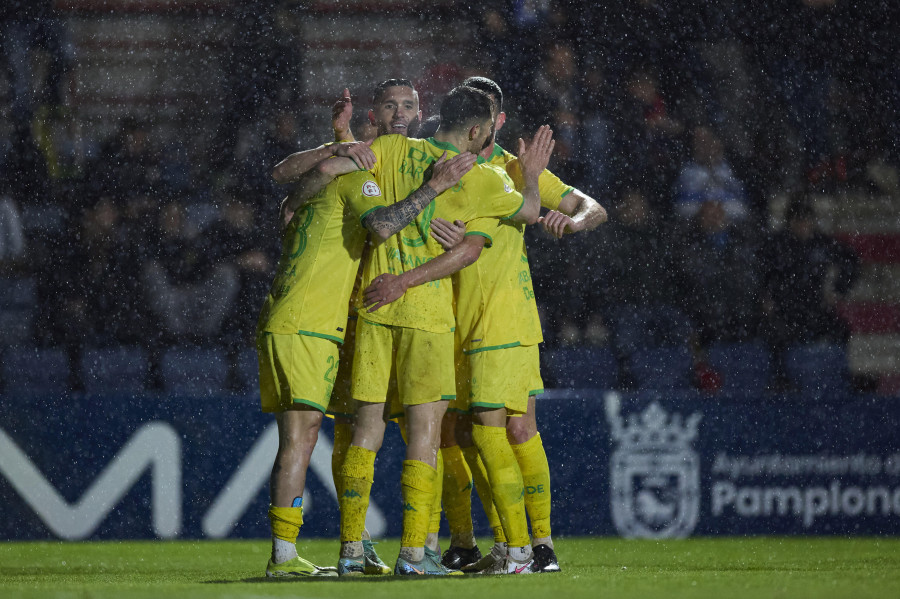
[
  {"x": 382, "y": 87},
  {"x": 488, "y": 86},
  {"x": 464, "y": 106}
]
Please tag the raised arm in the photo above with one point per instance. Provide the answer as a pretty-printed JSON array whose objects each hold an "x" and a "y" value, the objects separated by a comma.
[
  {"x": 296, "y": 165},
  {"x": 533, "y": 159},
  {"x": 387, "y": 288},
  {"x": 313, "y": 181},
  {"x": 341, "y": 114},
  {"x": 577, "y": 212},
  {"x": 390, "y": 220}
]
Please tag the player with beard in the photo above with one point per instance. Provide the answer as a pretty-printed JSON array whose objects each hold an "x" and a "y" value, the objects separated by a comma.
[
  {"x": 392, "y": 336},
  {"x": 569, "y": 211},
  {"x": 395, "y": 109}
]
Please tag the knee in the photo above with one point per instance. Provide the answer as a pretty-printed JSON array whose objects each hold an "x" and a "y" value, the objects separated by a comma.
[
  {"x": 302, "y": 432},
  {"x": 368, "y": 439},
  {"x": 368, "y": 431},
  {"x": 518, "y": 431}
]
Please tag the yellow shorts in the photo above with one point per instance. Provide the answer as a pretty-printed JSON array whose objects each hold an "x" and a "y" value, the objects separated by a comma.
[
  {"x": 461, "y": 363},
  {"x": 342, "y": 403},
  {"x": 415, "y": 365},
  {"x": 295, "y": 370},
  {"x": 501, "y": 378}
]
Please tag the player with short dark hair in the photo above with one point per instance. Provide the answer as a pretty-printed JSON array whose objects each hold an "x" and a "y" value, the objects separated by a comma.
[
  {"x": 570, "y": 211},
  {"x": 302, "y": 323},
  {"x": 394, "y": 336}
]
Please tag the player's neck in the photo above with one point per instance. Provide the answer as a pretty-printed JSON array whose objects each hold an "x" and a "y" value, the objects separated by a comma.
[
  {"x": 458, "y": 140},
  {"x": 488, "y": 151}
]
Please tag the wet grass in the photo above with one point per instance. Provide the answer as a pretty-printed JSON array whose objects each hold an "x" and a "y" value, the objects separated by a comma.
[{"x": 820, "y": 567}]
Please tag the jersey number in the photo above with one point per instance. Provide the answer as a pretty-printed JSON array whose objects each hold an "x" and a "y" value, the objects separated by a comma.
[
  {"x": 305, "y": 219},
  {"x": 329, "y": 373}
]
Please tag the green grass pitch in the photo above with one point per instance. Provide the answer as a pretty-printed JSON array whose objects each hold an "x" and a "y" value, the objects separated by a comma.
[{"x": 730, "y": 568}]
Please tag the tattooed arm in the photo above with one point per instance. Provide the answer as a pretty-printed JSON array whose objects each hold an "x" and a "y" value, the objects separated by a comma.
[{"x": 390, "y": 220}]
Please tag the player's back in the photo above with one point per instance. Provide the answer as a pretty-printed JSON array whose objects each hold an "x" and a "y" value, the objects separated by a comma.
[
  {"x": 495, "y": 303},
  {"x": 495, "y": 297},
  {"x": 401, "y": 168},
  {"x": 320, "y": 254}
]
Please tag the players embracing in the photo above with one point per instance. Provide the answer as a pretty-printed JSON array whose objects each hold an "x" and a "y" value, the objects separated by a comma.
[{"x": 405, "y": 340}]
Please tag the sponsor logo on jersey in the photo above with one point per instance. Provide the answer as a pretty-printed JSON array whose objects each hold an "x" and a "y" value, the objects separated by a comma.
[{"x": 370, "y": 189}]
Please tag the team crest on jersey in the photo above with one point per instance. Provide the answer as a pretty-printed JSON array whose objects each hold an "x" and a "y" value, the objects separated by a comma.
[{"x": 370, "y": 189}]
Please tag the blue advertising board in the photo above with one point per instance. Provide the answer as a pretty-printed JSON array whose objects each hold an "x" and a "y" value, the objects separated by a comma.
[{"x": 637, "y": 465}]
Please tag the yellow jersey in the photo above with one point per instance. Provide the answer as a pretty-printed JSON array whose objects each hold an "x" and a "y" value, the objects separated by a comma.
[
  {"x": 552, "y": 189},
  {"x": 495, "y": 304},
  {"x": 484, "y": 192},
  {"x": 320, "y": 254}
]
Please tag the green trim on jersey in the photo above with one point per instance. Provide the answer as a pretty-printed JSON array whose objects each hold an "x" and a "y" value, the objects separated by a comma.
[
  {"x": 484, "y": 404},
  {"x": 567, "y": 192},
  {"x": 469, "y": 352},
  {"x": 448, "y": 396},
  {"x": 308, "y": 402},
  {"x": 516, "y": 212},
  {"x": 320, "y": 336},
  {"x": 498, "y": 151},
  {"x": 484, "y": 192},
  {"x": 363, "y": 216},
  {"x": 375, "y": 324},
  {"x": 444, "y": 145},
  {"x": 535, "y": 392},
  {"x": 485, "y": 235}
]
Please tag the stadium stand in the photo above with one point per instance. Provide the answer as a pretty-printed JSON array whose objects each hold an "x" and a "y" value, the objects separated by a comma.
[
  {"x": 662, "y": 368},
  {"x": 165, "y": 60},
  {"x": 817, "y": 369},
  {"x": 194, "y": 371},
  {"x": 17, "y": 296},
  {"x": 32, "y": 371},
  {"x": 743, "y": 367},
  {"x": 117, "y": 370},
  {"x": 580, "y": 368}
]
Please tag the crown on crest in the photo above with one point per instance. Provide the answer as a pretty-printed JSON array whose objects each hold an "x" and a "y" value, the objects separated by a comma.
[{"x": 653, "y": 428}]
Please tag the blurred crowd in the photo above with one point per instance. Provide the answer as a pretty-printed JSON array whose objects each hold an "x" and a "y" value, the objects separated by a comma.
[{"x": 682, "y": 118}]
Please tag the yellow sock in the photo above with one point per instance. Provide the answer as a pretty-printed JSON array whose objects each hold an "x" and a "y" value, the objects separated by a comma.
[
  {"x": 457, "y": 492},
  {"x": 532, "y": 461},
  {"x": 356, "y": 477},
  {"x": 417, "y": 484},
  {"x": 434, "y": 525},
  {"x": 343, "y": 435},
  {"x": 483, "y": 488},
  {"x": 506, "y": 481},
  {"x": 286, "y": 522}
]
